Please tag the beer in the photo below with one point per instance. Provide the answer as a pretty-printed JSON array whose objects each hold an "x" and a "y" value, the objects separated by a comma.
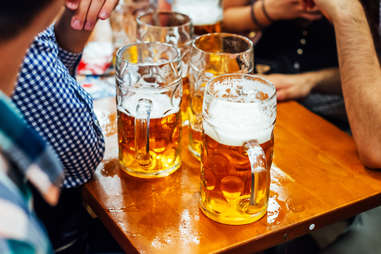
[
  {"x": 238, "y": 120},
  {"x": 206, "y": 29},
  {"x": 162, "y": 26},
  {"x": 164, "y": 138},
  {"x": 123, "y": 24},
  {"x": 226, "y": 184},
  {"x": 206, "y": 15},
  {"x": 213, "y": 55},
  {"x": 149, "y": 91},
  {"x": 185, "y": 102}
]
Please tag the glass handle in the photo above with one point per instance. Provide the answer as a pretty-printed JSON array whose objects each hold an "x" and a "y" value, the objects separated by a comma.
[
  {"x": 258, "y": 163},
  {"x": 142, "y": 122}
]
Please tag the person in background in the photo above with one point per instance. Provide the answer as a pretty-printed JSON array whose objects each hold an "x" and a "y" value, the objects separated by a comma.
[
  {"x": 297, "y": 45},
  {"x": 55, "y": 105},
  {"x": 26, "y": 161},
  {"x": 357, "y": 43}
]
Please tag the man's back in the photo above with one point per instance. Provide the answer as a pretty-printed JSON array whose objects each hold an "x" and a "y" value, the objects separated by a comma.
[{"x": 25, "y": 161}]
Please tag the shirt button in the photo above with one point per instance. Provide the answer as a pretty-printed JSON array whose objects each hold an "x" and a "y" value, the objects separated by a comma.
[
  {"x": 303, "y": 41},
  {"x": 296, "y": 65},
  {"x": 300, "y": 51}
]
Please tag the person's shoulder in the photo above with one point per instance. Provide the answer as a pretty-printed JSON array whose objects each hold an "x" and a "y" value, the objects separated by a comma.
[
  {"x": 20, "y": 230},
  {"x": 14, "y": 221}
]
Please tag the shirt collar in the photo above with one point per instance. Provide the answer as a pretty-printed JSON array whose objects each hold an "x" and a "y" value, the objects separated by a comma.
[{"x": 24, "y": 148}]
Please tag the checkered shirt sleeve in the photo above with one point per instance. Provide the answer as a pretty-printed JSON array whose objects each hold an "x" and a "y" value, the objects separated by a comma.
[
  {"x": 59, "y": 109},
  {"x": 69, "y": 59}
]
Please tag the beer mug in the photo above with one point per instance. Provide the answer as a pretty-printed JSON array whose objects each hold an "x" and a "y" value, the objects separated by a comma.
[
  {"x": 239, "y": 113},
  {"x": 123, "y": 23},
  {"x": 148, "y": 77},
  {"x": 206, "y": 15},
  {"x": 213, "y": 55},
  {"x": 175, "y": 29}
]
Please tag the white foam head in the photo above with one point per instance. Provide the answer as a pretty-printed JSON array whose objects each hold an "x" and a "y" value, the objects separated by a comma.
[
  {"x": 201, "y": 12},
  {"x": 161, "y": 104},
  {"x": 234, "y": 122}
]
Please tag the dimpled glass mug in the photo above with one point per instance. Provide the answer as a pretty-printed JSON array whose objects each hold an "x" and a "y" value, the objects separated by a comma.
[
  {"x": 239, "y": 112},
  {"x": 149, "y": 91},
  {"x": 213, "y": 55},
  {"x": 206, "y": 15},
  {"x": 175, "y": 29}
]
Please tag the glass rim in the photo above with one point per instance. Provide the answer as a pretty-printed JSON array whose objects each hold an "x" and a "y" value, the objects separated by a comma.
[
  {"x": 187, "y": 19},
  {"x": 242, "y": 76},
  {"x": 243, "y": 38},
  {"x": 121, "y": 50}
]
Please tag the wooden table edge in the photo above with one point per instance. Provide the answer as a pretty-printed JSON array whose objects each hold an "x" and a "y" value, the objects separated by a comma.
[
  {"x": 279, "y": 236},
  {"x": 288, "y": 233},
  {"x": 113, "y": 228}
]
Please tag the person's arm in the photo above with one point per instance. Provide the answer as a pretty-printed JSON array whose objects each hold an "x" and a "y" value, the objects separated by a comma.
[
  {"x": 73, "y": 28},
  {"x": 295, "y": 86},
  {"x": 360, "y": 75},
  {"x": 239, "y": 17},
  {"x": 164, "y": 5},
  {"x": 78, "y": 20},
  {"x": 68, "y": 38},
  {"x": 57, "y": 107},
  {"x": 235, "y": 3}
]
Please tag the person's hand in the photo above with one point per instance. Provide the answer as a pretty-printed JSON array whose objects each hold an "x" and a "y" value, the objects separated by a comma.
[
  {"x": 87, "y": 12},
  {"x": 290, "y": 9},
  {"x": 291, "y": 86},
  {"x": 335, "y": 9},
  {"x": 163, "y": 5}
]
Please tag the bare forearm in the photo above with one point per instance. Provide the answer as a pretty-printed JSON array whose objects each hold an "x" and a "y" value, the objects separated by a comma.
[
  {"x": 68, "y": 38},
  {"x": 239, "y": 19},
  {"x": 361, "y": 83},
  {"x": 232, "y": 3}
]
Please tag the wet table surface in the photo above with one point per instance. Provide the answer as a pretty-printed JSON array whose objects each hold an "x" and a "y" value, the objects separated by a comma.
[{"x": 316, "y": 179}]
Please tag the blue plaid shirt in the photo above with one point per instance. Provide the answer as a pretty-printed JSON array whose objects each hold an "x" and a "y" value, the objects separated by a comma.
[
  {"x": 24, "y": 157},
  {"x": 55, "y": 105}
]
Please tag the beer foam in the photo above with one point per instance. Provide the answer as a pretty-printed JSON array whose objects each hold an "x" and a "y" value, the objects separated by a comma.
[
  {"x": 235, "y": 121},
  {"x": 201, "y": 12},
  {"x": 161, "y": 104}
]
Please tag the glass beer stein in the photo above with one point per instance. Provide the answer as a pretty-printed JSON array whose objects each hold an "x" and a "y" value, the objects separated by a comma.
[
  {"x": 175, "y": 29},
  {"x": 213, "y": 55},
  {"x": 148, "y": 77},
  {"x": 206, "y": 15},
  {"x": 238, "y": 114},
  {"x": 123, "y": 21}
]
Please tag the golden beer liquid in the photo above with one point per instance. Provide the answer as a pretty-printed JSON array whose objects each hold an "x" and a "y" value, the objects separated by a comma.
[
  {"x": 206, "y": 29},
  {"x": 195, "y": 119},
  {"x": 164, "y": 137},
  {"x": 226, "y": 183},
  {"x": 185, "y": 102},
  {"x": 215, "y": 64},
  {"x": 218, "y": 66}
]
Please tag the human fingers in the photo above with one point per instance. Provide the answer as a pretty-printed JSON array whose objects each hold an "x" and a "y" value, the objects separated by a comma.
[
  {"x": 313, "y": 9},
  {"x": 283, "y": 94},
  {"x": 107, "y": 8},
  {"x": 278, "y": 80},
  {"x": 311, "y": 16},
  {"x": 163, "y": 5},
  {"x": 79, "y": 18},
  {"x": 72, "y": 4},
  {"x": 92, "y": 14}
]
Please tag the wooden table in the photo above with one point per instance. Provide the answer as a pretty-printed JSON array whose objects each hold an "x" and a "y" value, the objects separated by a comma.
[{"x": 317, "y": 179}]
